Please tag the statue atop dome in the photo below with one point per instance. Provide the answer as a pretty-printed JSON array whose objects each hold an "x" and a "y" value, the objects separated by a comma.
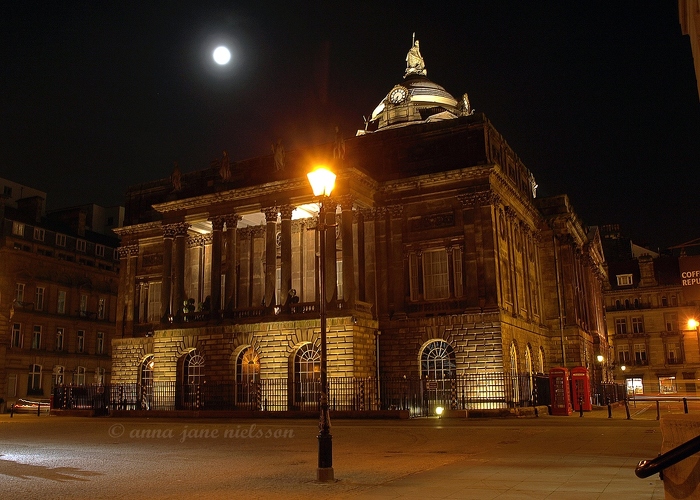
[{"x": 414, "y": 61}]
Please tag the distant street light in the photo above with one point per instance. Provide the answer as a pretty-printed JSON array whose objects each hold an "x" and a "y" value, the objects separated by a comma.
[
  {"x": 322, "y": 182},
  {"x": 221, "y": 55}
]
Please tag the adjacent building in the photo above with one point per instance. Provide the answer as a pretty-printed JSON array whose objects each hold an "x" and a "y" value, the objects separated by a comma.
[
  {"x": 648, "y": 316},
  {"x": 442, "y": 267},
  {"x": 59, "y": 275}
]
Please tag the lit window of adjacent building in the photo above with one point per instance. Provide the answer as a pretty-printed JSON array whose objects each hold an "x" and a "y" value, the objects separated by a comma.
[
  {"x": 59, "y": 339},
  {"x": 624, "y": 279},
  {"x": 635, "y": 386},
  {"x": 19, "y": 292},
  {"x": 640, "y": 354},
  {"x": 80, "y": 347},
  {"x": 81, "y": 245},
  {"x": 79, "y": 376},
  {"x": 623, "y": 354},
  {"x": 61, "y": 304},
  {"x": 621, "y": 326},
  {"x": 34, "y": 380},
  {"x": 36, "y": 337},
  {"x": 667, "y": 385},
  {"x": 671, "y": 320},
  {"x": 637, "y": 324},
  {"x": 39, "y": 234},
  {"x": 100, "y": 250},
  {"x": 39, "y": 298},
  {"x": 101, "y": 308},
  {"x": 60, "y": 240},
  {"x": 17, "y": 228},
  {"x": 100, "y": 344},
  {"x": 83, "y": 305},
  {"x": 17, "y": 335}
]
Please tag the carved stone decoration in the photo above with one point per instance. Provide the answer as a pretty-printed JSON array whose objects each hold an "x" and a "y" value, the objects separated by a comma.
[
  {"x": 278, "y": 155},
  {"x": 395, "y": 211},
  {"x": 270, "y": 214},
  {"x": 478, "y": 199},
  {"x": 346, "y": 201},
  {"x": 232, "y": 221},
  {"x": 286, "y": 211},
  {"x": 433, "y": 221},
  {"x": 415, "y": 65},
  {"x": 128, "y": 251},
  {"x": 338, "y": 146},
  {"x": 217, "y": 223}
]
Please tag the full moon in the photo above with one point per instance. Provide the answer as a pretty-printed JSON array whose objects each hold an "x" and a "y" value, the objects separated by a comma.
[{"x": 222, "y": 55}]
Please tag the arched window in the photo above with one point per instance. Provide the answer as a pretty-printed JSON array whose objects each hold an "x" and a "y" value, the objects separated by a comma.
[
  {"x": 438, "y": 361},
  {"x": 58, "y": 372},
  {"x": 541, "y": 359},
  {"x": 247, "y": 375},
  {"x": 146, "y": 382},
  {"x": 193, "y": 372},
  {"x": 307, "y": 377},
  {"x": 514, "y": 373}
]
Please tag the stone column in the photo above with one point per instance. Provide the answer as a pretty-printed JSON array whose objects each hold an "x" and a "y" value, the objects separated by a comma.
[
  {"x": 360, "y": 287},
  {"x": 217, "y": 224},
  {"x": 346, "y": 202},
  {"x": 167, "y": 273},
  {"x": 470, "y": 268},
  {"x": 270, "y": 255},
  {"x": 179, "y": 268},
  {"x": 450, "y": 272},
  {"x": 382, "y": 274},
  {"x": 512, "y": 258},
  {"x": 331, "y": 261},
  {"x": 128, "y": 256},
  {"x": 231, "y": 262},
  {"x": 396, "y": 265},
  {"x": 286, "y": 252}
]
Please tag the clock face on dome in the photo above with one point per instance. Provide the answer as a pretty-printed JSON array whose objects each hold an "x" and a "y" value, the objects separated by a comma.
[{"x": 398, "y": 94}]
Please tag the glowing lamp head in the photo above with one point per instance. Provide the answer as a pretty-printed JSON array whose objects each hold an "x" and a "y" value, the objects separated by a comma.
[
  {"x": 693, "y": 323},
  {"x": 623, "y": 368},
  {"x": 322, "y": 181},
  {"x": 600, "y": 358},
  {"x": 439, "y": 410}
]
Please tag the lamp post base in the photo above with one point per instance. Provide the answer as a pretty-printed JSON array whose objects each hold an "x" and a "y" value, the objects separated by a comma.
[{"x": 325, "y": 475}]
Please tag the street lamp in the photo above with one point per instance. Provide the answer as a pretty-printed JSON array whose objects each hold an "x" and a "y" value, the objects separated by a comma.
[{"x": 322, "y": 181}]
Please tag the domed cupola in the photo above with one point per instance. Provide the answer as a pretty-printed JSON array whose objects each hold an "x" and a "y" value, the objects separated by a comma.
[{"x": 416, "y": 99}]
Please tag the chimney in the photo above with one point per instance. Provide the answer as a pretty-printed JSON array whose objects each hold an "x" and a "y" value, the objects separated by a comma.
[
  {"x": 646, "y": 271},
  {"x": 32, "y": 206}
]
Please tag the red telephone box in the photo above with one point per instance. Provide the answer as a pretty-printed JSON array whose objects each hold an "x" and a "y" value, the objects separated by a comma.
[
  {"x": 581, "y": 388},
  {"x": 559, "y": 391}
]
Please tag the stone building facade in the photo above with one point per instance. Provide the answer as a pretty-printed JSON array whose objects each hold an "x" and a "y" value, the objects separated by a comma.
[
  {"x": 442, "y": 263},
  {"x": 58, "y": 297}
]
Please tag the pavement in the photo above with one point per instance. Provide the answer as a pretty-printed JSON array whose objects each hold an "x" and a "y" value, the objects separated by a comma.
[{"x": 545, "y": 457}]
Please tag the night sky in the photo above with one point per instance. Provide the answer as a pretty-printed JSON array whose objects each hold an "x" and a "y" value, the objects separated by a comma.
[{"x": 598, "y": 98}]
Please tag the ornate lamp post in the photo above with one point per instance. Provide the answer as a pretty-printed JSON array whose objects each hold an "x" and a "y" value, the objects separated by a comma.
[{"x": 322, "y": 181}]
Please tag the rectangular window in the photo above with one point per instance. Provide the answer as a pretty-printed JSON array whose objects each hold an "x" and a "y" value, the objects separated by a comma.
[
  {"x": 673, "y": 353},
  {"x": 61, "y": 305},
  {"x": 17, "y": 228},
  {"x": 635, "y": 386},
  {"x": 19, "y": 292},
  {"x": 100, "y": 250},
  {"x": 671, "y": 320},
  {"x": 60, "y": 240},
  {"x": 115, "y": 254},
  {"x": 17, "y": 335},
  {"x": 79, "y": 376},
  {"x": 435, "y": 277},
  {"x": 638, "y": 324},
  {"x": 39, "y": 234},
  {"x": 36, "y": 337},
  {"x": 99, "y": 375},
  {"x": 34, "y": 381},
  {"x": 667, "y": 385},
  {"x": 640, "y": 354},
  {"x": 81, "y": 341},
  {"x": 621, "y": 326},
  {"x": 413, "y": 275},
  {"x": 39, "y": 298},
  {"x": 101, "y": 308},
  {"x": 58, "y": 372},
  {"x": 59, "y": 339},
  {"x": 83, "y": 305},
  {"x": 624, "y": 279},
  {"x": 154, "y": 302},
  {"x": 100, "y": 344},
  {"x": 623, "y": 354},
  {"x": 81, "y": 245}
]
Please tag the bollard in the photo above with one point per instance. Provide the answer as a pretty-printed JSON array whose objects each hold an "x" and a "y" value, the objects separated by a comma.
[
  {"x": 627, "y": 409},
  {"x": 537, "y": 413},
  {"x": 580, "y": 406},
  {"x": 12, "y": 410},
  {"x": 658, "y": 411},
  {"x": 685, "y": 405},
  {"x": 38, "y": 409},
  {"x": 609, "y": 409}
]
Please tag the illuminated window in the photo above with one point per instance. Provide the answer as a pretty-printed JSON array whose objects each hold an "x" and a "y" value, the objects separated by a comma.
[
  {"x": 99, "y": 375},
  {"x": 81, "y": 245},
  {"x": 621, "y": 326},
  {"x": 101, "y": 308},
  {"x": 307, "y": 376},
  {"x": 154, "y": 302},
  {"x": 623, "y": 354},
  {"x": 57, "y": 376},
  {"x": 39, "y": 234},
  {"x": 435, "y": 277},
  {"x": 81, "y": 341},
  {"x": 194, "y": 368},
  {"x": 34, "y": 380},
  {"x": 100, "y": 343},
  {"x": 671, "y": 320},
  {"x": 624, "y": 279},
  {"x": 59, "y": 339},
  {"x": 17, "y": 228},
  {"x": 637, "y": 324},
  {"x": 79, "y": 376},
  {"x": 36, "y": 337},
  {"x": 100, "y": 250},
  {"x": 19, "y": 292},
  {"x": 17, "y": 335},
  {"x": 438, "y": 361},
  {"x": 640, "y": 354},
  {"x": 667, "y": 385},
  {"x": 635, "y": 386}
]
